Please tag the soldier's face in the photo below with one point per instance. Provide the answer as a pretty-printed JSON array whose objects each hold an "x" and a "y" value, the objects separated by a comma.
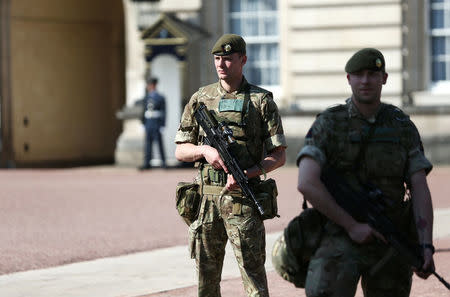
[
  {"x": 366, "y": 85},
  {"x": 230, "y": 66}
]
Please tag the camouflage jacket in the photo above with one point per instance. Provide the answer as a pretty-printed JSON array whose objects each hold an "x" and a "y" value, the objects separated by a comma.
[
  {"x": 393, "y": 153},
  {"x": 250, "y": 112}
]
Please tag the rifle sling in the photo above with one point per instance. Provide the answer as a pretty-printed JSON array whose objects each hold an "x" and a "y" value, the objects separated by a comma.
[{"x": 365, "y": 141}]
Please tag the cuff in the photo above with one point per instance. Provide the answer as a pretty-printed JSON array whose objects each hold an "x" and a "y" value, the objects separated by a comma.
[{"x": 313, "y": 152}]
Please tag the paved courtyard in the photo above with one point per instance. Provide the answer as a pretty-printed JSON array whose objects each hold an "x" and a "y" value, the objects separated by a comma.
[{"x": 49, "y": 218}]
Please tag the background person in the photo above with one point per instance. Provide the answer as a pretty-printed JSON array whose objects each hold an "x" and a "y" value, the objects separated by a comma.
[{"x": 153, "y": 118}]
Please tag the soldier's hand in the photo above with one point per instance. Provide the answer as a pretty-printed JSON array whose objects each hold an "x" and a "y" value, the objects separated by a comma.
[
  {"x": 428, "y": 265},
  {"x": 363, "y": 233},
  {"x": 231, "y": 183},
  {"x": 212, "y": 157}
]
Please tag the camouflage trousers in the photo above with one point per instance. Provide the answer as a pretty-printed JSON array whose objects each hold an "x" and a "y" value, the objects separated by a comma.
[
  {"x": 339, "y": 263},
  {"x": 246, "y": 233}
]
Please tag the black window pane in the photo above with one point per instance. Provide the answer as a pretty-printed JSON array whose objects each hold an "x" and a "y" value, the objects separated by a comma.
[
  {"x": 438, "y": 46},
  {"x": 253, "y": 52},
  {"x": 270, "y": 26},
  {"x": 438, "y": 71},
  {"x": 437, "y": 19},
  {"x": 273, "y": 53},
  {"x": 250, "y": 5},
  {"x": 235, "y": 26},
  {"x": 250, "y": 26},
  {"x": 273, "y": 76},
  {"x": 269, "y": 5},
  {"x": 253, "y": 75},
  {"x": 235, "y": 5}
]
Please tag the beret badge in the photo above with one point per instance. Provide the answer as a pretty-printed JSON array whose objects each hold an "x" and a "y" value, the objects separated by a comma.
[
  {"x": 227, "y": 47},
  {"x": 378, "y": 63}
]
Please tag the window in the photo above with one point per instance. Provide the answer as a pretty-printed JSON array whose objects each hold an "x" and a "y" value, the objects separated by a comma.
[
  {"x": 257, "y": 22},
  {"x": 440, "y": 40}
]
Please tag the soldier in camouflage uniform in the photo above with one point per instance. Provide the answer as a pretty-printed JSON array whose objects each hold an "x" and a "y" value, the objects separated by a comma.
[
  {"x": 253, "y": 116},
  {"x": 392, "y": 159}
]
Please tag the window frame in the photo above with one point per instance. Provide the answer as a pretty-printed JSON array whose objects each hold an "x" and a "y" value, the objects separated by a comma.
[
  {"x": 440, "y": 86},
  {"x": 258, "y": 39}
]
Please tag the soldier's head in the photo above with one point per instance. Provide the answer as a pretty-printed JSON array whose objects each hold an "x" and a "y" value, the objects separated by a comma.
[
  {"x": 151, "y": 83},
  {"x": 228, "y": 44},
  {"x": 366, "y": 58},
  {"x": 229, "y": 56},
  {"x": 366, "y": 74}
]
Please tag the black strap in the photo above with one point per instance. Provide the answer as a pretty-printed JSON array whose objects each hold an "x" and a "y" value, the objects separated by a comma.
[
  {"x": 244, "y": 125},
  {"x": 365, "y": 141}
]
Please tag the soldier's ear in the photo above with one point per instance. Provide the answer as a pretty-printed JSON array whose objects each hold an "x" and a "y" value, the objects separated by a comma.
[
  {"x": 244, "y": 59},
  {"x": 385, "y": 76}
]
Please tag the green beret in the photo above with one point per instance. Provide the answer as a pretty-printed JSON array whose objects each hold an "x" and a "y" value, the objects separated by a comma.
[
  {"x": 228, "y": 44},
  {"x": 367, "y": 58}
]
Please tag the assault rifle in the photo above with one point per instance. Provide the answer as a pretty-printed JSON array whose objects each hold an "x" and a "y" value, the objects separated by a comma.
[
  {"x": 368, "y": 205},
  {"x": 220, "y": 136}
]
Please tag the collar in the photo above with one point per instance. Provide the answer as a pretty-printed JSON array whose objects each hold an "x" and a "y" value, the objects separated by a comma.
[
  {"x": 353, "y": 111},
  {"x": 242, "y": 88}
]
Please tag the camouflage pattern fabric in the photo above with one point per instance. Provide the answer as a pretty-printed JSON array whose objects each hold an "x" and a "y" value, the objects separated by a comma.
[
  {"x": 253, "y": 116},
  {"x": 259, "y": 128},
  {"x": 338, "y": 264},
  {"x": 393, "y": 154},
  {"x": 246, "y": 234}
]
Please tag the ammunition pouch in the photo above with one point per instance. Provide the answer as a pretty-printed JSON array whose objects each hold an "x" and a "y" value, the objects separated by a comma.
[
  {"x": 266, "y": 194},
  {"x": 188, "y": 201}
]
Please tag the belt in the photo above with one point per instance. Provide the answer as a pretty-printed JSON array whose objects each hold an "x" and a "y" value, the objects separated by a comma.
[
  {"x": 153, "y": 114},
  {"x": 219, "y": 190},
  {"x": 215, "y": 177}
]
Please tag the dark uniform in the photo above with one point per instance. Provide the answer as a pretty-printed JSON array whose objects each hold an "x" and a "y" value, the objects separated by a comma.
[
  {"x": 393, "y": 153},
  {"x": 154, "y": 117}
]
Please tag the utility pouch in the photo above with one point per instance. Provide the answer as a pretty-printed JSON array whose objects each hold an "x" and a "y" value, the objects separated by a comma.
[
  {"x": 293, "y": 250},
  {"x": 188, "y": 201},
  {"x": 266, "y": 193}
]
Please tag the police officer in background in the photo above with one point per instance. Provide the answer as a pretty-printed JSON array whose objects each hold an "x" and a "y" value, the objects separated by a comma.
[
  {"x": 153, "y": 118},
  {"x": 390, "y": 158},
  {"x": 253, "y": 116}
]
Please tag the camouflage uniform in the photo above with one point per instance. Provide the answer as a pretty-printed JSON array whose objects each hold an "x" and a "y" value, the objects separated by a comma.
[
  {"x": 253, "y": 116},
  {"x": 393, "y": 154}
]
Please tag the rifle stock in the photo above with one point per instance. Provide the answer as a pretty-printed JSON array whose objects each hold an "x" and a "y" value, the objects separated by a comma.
[
  {"x": 220, "y": 136},
  {"x": 368, "y": 206}
]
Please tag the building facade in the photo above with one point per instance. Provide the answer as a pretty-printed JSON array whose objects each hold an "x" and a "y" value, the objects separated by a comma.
[{"x": 296, "y": 48}]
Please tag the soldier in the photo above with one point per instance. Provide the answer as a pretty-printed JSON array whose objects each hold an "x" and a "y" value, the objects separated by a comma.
[
  {"x": 153, "y": 118},
  {"x": 392, "y": 159},
  {"x": 253, "y": 116}
]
